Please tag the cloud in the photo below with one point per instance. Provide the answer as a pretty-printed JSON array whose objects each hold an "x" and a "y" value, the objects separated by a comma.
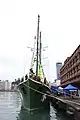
[{"x": 60, "y": 26}]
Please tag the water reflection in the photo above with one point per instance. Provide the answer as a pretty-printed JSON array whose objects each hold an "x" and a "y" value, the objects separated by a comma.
[
  {"x": 38, "y": 115},
  {"x": 10, "y": 109},
  {"x": 58, "y": 114},
  {"x": 51, "y": 114},
  {"x": 9, "y": 105}
]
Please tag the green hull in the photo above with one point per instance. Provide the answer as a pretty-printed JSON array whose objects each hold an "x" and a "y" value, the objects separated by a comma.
[{"x": 32, "y": 95}]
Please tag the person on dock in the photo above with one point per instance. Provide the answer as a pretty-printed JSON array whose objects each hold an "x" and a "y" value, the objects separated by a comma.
[
  {"x": 38, "y": 79},
  {"x": 26, "y": 77},
  {"x": 45, "y": 81},
  {"x": 31, "y": 73}
]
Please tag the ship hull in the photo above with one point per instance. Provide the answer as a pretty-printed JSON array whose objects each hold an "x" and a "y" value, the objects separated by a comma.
[{"x": 33, "y": 97}]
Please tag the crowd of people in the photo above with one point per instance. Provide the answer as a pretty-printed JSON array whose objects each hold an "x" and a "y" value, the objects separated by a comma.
[{"x": 37, "y": 78}]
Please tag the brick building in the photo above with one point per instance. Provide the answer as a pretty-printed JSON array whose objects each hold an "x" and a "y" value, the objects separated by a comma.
[{"x": 70, "y": 71}]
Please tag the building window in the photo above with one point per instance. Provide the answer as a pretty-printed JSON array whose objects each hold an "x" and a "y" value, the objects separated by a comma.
[
  {"x": 79, "y": 66},
  {"x": 74, "y": 70},
  {"x": 71, "y": 72},
  {"x": 76, "y": 58},
  {"x": 73, "y": 61},
  {"x": 67, "y": 75},
  {"x": 68, "y": 66},
  {"x": 70, "y": 63},
  {"x": 79, "y": 55}
]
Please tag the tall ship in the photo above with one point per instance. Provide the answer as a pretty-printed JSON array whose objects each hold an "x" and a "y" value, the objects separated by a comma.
[{"x": 34, "y": 89}]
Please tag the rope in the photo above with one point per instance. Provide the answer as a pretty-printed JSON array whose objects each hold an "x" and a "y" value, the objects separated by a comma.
[
  {"x": 35, "y": 89},
  {"x": 39, "y": 91},
  {"x": 51, "y": 95},
  {"x": 44, "y": 94}
]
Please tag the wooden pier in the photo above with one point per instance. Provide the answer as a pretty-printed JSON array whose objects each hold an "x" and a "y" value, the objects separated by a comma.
[{"x": 71, "y": 106}]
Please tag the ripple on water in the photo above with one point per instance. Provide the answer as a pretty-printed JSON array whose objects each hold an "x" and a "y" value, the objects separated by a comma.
[{"x": 10, "y": 109}]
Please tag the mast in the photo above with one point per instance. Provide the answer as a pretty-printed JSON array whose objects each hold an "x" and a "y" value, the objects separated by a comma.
[
  {"x": 40, "y": 56},
  {"x": 40, "y": 49},
  {"x": 37, "y": 46}
]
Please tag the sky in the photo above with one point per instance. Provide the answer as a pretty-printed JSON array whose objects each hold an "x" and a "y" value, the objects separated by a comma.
[{"x": 60, "y": 27}]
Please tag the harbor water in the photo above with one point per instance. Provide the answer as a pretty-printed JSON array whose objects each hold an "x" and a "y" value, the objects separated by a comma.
[{"x": 10, "y": 109}]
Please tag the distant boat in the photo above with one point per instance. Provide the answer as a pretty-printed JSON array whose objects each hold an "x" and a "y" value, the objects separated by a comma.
[{"x": 33, "y": 90}]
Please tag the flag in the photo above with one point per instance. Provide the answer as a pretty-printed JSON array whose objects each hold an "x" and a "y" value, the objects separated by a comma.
[{"x": 40, "y": 74}]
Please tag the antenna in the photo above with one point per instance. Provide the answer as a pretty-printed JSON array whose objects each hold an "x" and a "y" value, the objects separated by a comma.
[{"x": 32, "y": 61}]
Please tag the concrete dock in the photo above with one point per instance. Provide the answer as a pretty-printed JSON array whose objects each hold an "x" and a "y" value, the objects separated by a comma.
[{"x": 71, "y": 106}]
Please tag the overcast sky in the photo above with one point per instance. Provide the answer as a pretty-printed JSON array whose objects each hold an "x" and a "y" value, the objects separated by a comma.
[{"x": 60, "y": 26}]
